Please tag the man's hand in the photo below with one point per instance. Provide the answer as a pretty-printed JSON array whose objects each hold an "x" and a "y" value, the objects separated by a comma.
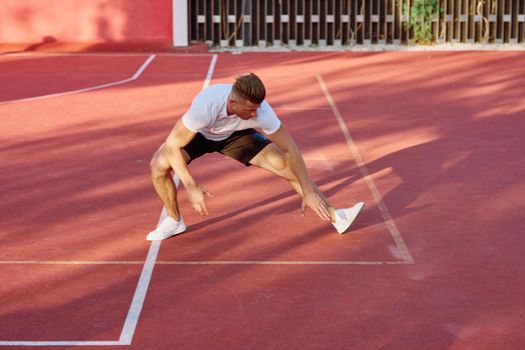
[
  {"x": 196, "y": 196},
  {"x": 318, "y": 203}
]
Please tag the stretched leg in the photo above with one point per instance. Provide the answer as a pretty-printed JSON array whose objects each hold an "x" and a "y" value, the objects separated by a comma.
[
  {"x": 162, "y": 182},
  {"x": 273, "y": 159}
]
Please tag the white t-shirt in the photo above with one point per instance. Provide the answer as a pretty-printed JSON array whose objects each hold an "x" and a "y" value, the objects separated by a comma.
[{"x": 208, "y": 115}]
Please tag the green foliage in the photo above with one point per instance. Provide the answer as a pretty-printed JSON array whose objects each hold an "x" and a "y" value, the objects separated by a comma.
[{"x": 420, "y": 14}]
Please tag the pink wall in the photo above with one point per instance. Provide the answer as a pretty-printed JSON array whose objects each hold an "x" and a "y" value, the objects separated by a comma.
[{"x": 85, "y": 21}]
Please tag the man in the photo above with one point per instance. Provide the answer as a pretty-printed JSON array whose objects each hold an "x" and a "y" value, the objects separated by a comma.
[{"x": 223, "y": 118}]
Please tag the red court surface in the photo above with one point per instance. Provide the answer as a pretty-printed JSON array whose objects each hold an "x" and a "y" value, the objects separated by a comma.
[{"x": 431, "y": 141}]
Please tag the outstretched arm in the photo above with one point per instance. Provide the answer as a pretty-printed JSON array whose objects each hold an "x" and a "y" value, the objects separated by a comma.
[
  {"x": 312, "y": 196},
  {"x": 178, "y": 138}
]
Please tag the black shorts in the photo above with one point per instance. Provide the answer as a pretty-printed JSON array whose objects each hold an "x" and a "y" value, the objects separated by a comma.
[{"x": 242, "y": 146}]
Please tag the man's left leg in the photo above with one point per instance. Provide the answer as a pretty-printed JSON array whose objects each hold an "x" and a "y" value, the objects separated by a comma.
[{"x": 274, "y": 160}]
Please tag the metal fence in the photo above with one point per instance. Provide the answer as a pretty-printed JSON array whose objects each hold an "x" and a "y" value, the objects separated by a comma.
[{"x": 312, "y": 23}]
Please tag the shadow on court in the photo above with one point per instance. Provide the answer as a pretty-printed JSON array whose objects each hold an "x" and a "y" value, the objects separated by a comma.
[{"x": 441, "y": 138}]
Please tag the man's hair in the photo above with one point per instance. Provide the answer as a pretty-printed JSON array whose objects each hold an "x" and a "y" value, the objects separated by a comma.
[{"x": 249, "y": 87}]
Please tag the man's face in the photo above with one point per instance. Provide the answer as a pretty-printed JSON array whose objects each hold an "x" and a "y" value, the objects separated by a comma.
[{"x": 245, "y": 109}]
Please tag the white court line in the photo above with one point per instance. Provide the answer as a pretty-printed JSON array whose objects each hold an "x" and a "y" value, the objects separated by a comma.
[
  {"x": 101, "y": 54},
  {"x": 202, "y": 262},
  {"x": 62, "y": 343},
  {"x": 73, "y": 262},
  {"x": 134, "y": 77},
  {"x": 407, "y": 257},
  {"x": 128, "y": 330},
  {"x": 266, "y": 262},
  {"x": 210, "y": 72},
  {"x": 126, "y": 337}
]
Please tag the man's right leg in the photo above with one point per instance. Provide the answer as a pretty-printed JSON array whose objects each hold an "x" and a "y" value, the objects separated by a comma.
[
  {"x": 160, "y": 169},
  {"x": 167, "y": 191}
]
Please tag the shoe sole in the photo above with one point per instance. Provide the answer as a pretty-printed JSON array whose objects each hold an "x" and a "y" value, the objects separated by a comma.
[
  {"x": 174, "y": 234},
  {"x": 361, "y": 206}
]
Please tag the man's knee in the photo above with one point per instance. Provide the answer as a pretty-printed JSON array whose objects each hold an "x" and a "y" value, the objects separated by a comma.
[
  {"x": 276, "y": 161},
  {"x": 156, "y": 171},
  {"x": 157, "y": 166}
]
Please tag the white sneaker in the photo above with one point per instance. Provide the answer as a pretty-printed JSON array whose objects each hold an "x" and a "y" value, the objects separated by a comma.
[
  {"x": 345, "y": 217},
  {"x": 167, "y": 228}
]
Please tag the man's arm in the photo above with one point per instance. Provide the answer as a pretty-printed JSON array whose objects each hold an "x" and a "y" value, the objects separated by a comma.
[
  {"x": 312, "y": 196},
  {"x": 178, "y": 138}
]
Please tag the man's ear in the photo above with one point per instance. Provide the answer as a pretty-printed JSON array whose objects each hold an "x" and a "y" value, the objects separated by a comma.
[{"x": 231, "y": 105}]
